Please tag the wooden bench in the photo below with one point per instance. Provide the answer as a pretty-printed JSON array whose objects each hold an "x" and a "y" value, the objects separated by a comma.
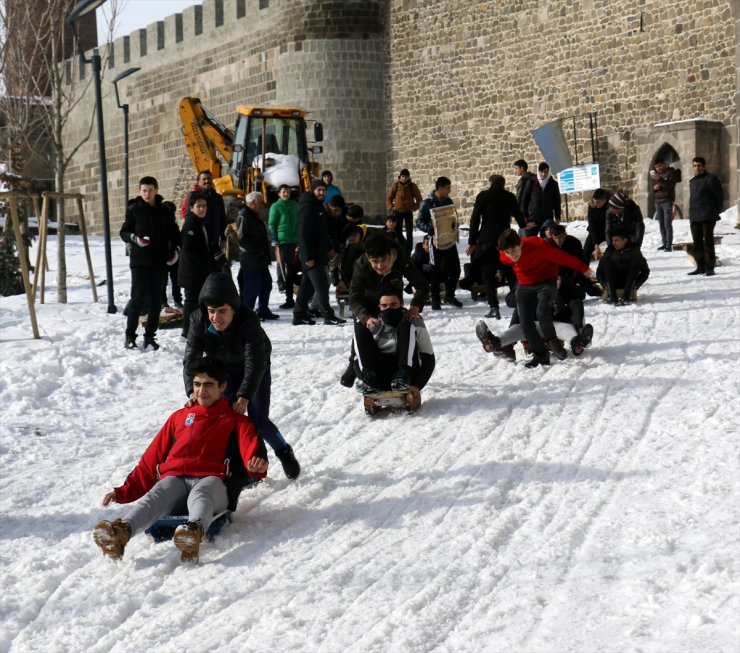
[{"x": 689, "y": 248}]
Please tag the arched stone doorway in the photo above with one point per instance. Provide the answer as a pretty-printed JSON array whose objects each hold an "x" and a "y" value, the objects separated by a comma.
[{"x": 681, "y": 141}]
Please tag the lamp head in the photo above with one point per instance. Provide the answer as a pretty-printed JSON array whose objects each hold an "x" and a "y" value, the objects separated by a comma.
[{"x": 83, "y": 8}]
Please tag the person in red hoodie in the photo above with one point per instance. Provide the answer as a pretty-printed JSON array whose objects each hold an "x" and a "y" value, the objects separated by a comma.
[
  {"x": 535, "y": 263},
  {"x": 184, "y": 468}
]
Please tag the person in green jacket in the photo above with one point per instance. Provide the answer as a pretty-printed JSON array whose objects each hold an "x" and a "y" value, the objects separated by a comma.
[{"x": 283, "y": 223}]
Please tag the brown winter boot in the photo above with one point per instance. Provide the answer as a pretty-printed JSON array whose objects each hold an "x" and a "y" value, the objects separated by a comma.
[
  {"x": 112, "y": 537},
  {"x": 187, "y": 538}
]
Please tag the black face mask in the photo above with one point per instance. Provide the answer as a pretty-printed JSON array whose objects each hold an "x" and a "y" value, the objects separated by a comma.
[{"x": 391, "y": 316}]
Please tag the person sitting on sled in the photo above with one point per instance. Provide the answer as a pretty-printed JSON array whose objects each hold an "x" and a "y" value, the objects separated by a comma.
[
  {"x": 184, "y": 467},
  {"x": 393, "y": 352}
]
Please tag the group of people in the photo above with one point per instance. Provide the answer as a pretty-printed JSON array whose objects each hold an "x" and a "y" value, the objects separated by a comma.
[{"x": 226, "y": 366}]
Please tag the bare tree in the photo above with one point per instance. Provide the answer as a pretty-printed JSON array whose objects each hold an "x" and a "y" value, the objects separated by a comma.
[{"x": 42, "y": 88}]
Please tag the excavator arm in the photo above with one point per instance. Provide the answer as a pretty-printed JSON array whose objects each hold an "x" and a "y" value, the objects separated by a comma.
[{"x": 205, "y": 136}]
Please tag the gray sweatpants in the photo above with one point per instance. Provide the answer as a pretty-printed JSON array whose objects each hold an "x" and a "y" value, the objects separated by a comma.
[
  {"x": 200, "y": 496},
  {"x": 564, "y": 330}
]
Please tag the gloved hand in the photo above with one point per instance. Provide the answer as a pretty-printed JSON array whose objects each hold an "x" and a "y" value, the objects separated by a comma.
[
  {"x": 174, "y": 256},
  {"x": 141, "y": 241}
]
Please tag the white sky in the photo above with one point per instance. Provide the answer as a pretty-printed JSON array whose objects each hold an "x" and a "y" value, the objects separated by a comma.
[{"x": 136, "y": 14}]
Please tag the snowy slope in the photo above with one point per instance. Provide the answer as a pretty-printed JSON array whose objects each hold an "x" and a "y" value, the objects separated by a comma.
[{"x": 589, "y": 506}]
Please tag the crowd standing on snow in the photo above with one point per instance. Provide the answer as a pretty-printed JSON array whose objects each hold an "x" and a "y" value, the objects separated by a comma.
[{"x": 515, "y": 240}]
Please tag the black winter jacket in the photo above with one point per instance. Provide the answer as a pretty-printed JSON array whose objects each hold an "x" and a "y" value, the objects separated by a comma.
[
  {"x": 630, "y": 219},
  {"x": 524, "y": 192},
  {"x": 313, "y": 232},
  {"x": 216, "y": 219},
  {"x": 597, "y": 223},
  {"x": 544, "y": 203},
  {"x": 705, "y": 202},
  {"x": 366, "y": 286},
  {"x": 243, "y": 345},
  {"x": 197, "y": 258},
  {"x": 154, "y": 222},
  {"x": 254, "y": 241},
  {"x": 492, "y": 213}
]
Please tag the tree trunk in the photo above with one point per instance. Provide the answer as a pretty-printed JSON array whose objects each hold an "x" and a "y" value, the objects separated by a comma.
[{"x": 59, "y": 167}]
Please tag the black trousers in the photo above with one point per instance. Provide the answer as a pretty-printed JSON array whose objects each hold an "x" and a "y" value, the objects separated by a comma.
[
  {"x": 369, "y": 358},
  {"x": 405, "y": 220},
  {"x": 702, "y": 233},
  {"x": 490, "y": 266},
  {"x": 172, "y": 273},
  {"x": 190, "y": 305},
  {"x": 535, "y": 303},
  {"x": 147, "y": 284},
  {"x": 313, "y": 281},
  {"x": 588, "y": 248},
  {"x": 289, "y": 270},
  {"x": 446, "y": 270}
]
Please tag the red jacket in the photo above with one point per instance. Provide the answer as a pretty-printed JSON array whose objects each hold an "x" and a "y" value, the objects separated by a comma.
[
  {"x": 539, "y": 262},
  {"x": 192, "y": 442}
]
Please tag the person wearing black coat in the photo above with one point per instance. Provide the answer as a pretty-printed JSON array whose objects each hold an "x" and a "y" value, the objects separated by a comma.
[
  {"x": 544, "y": 203},
  {"x": 596, "y": 218},
  {"x": 523, "y": 186},
  {"x": 624, "y": 214},
  {"x": 151, "y": 229},
  {"x": 254, "y": 257},
  {"x": 225, "y": 327},
  {"x": 705, "y": 204},
  {"x": 492, "y": 213},
  {"x": 622, "y": 267},
  {"x": 314, "y": 245},
  {"x": 216, "y": 219},
  {"x": 199, "y": 256}
]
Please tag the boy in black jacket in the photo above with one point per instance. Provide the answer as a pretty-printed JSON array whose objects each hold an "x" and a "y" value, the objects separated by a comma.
[
  {"x": 151, "y": 229},
  {"x": 622, "y": 267},
  {"x": 225, "y": 327}
]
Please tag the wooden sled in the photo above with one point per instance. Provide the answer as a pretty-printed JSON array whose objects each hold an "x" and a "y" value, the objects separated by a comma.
[
  {"x": 620, "y": 294},
  {"x": 169, "y": 318},
  {"x": 391, "y": 400},
  {"x": 163, "y": 529}
]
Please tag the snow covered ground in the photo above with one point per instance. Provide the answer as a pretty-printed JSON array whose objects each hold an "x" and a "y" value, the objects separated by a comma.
[{"x": 590, "y": 506}]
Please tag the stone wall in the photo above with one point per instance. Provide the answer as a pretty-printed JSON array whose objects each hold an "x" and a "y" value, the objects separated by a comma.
[
  {"x": 440, "y": 87},
  {"x": 468, "y": 82}
]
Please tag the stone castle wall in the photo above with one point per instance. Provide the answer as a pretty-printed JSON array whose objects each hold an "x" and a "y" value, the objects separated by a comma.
[
  {"x": 467, "y": 83},
  {"x": 442, "y": 88},
  {"x": 232, "y": 52}
]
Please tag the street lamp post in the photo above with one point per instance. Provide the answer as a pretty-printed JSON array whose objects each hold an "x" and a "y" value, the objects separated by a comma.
[
  {"x": 81, "y": 9},
  {"x": 119, "y": 77}
]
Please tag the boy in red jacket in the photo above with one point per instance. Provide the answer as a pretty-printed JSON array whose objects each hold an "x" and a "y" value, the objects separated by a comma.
[
  {"x": 184, "y": 468},
  {"x": 535, "y": 263}
]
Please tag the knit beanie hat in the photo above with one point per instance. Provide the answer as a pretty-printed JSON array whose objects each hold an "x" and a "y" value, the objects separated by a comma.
[
  {"x": 618, "y": 201},
  {"x": 404, "y": 173},
  {"x": 317, "y": 183}
]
